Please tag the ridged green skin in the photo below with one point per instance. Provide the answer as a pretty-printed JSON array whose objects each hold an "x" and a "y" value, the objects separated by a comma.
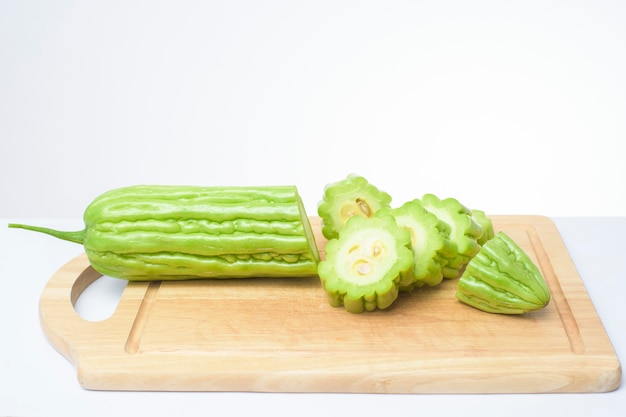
[
  {"x": 429, "y": 243},
  {"x": 351, "y": 196},
  {"x": 153, "y": 232},
  {"x": 464, "y": 230},
  {"x": 485, "y": 223},
  {"x": 503, "y": 279},
  {"x": 382, "y": 248}
]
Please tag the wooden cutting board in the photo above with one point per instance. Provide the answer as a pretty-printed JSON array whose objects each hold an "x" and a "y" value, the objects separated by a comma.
[{"x": 281, "y": 335}]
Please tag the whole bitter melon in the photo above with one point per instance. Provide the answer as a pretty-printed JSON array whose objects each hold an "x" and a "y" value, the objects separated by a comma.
[{"x": 161, "y": 232}]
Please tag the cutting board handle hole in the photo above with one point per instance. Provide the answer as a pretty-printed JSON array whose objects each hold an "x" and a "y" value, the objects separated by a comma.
[{"x": 96, "y": 297}]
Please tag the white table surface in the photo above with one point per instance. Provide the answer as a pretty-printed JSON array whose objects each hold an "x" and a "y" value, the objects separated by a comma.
[{"x": 35, "y": 380}]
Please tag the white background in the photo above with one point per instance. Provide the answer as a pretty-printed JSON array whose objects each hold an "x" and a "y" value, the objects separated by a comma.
[{"x": 511, "y": 107}]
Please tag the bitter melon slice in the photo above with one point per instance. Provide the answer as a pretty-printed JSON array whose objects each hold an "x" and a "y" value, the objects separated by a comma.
[{"x": 365, "y": 264}]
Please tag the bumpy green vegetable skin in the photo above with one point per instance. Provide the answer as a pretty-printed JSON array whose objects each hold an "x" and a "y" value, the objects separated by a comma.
[
  {"x": 429, "y": 243},
  {"x": 485, "y": 223},
  {"x": 144, "y": 233},
  {"x": 464, "y": 230},
  {"x": 365, "y": 264},
  {"x": 352, "y": 196},
  {"x": 503, "y": 279}
]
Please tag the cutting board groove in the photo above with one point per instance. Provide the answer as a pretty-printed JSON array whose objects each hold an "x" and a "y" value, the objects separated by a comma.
[
  {"x": 556, "y": 292},
  {"x": 143, "y": 314},
  {"x": 281, "y": 335}
]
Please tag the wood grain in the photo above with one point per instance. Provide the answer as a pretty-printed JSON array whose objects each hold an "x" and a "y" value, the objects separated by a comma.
[{"x": 281, "y": 335}]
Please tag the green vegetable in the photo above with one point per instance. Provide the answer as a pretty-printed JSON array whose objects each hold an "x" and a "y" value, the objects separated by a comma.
[
  {"x": 366, "y": 263},
  {"x": 485, "y": 223},
  {"x": 144, "y": 233},
  {"x": 503, "y": 279},
  {"x": 429, "y": 243},
  {"x": 352, "y": 196},
  {"x": 464, "y": 231}
]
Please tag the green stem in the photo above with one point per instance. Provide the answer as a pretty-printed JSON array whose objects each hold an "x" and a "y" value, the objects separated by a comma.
[{"x": 76, "y": 237}]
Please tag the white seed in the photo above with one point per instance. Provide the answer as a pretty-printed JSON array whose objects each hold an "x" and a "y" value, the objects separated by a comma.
[
  {"x": 364, "y": 207},
  {"x": 364, "y": 268}
]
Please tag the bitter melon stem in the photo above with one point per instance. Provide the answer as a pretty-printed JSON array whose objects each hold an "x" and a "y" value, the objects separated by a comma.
[{"x": 75, "y": 237}]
